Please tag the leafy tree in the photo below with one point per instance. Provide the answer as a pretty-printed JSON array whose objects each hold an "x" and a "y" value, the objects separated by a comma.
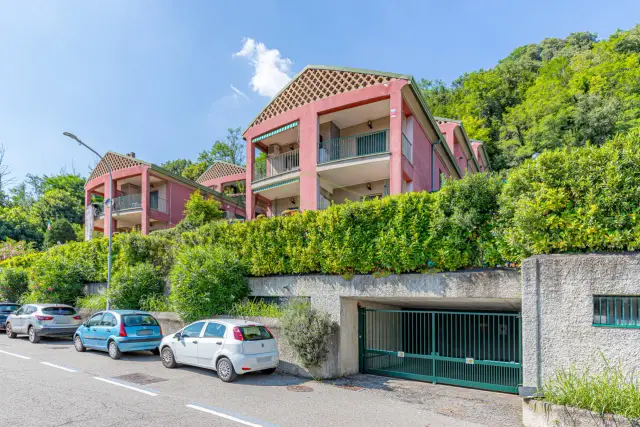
[
  {"x": 231, "y": 150},
  {"x": 61, "y": 231},
  {"x": 199, "y": 211},
  {"x": 194, "y": 170},
  {"x": 177, "y": 166}
]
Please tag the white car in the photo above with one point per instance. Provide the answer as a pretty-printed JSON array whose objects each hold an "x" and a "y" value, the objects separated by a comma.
[{"x": 231, "y": 347}]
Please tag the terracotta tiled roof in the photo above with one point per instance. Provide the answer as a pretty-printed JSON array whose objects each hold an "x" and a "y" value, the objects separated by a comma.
[
  {"x": 116, "y": 161},
  {"x": 219, "y": 170},
  {"x": 319, "y": 82}
]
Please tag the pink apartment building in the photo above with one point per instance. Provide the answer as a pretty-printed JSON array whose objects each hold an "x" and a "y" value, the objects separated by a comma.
[
  {"x": 335, "y": 134},
  {"x": 148, "y": 197}
]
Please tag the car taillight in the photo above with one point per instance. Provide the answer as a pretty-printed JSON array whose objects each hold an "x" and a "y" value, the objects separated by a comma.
[
  {"x": 77, "y": 318},
  {"x": 39, "y": 317},
  {"x": 160, "y": 329},
  {"x": 237, "y": 334},
  {"x": 270, "y": 333},
  {"x": 123, "y": 333}
]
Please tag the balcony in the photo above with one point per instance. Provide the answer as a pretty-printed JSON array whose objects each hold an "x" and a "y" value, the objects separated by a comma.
[
  {"x": 276, "y": 165},
  {"x": 129, "y": 202},
  {"x": 354, "y": 146}
]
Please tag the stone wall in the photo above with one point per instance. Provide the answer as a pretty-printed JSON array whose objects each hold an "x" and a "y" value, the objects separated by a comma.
[
  {"x": 540, "y": 414},
  {"x": 557, "y": 313}
]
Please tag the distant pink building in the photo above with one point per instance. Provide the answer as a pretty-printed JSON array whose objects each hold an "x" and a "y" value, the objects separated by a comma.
[
  {"x": 145, "y": 196},
  {"x": 335, "y": 134}
]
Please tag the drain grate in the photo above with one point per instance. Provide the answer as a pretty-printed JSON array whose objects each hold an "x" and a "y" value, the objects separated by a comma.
[
  {"x": 140, "y": 379},
  {"x": 299, "y": 388}
]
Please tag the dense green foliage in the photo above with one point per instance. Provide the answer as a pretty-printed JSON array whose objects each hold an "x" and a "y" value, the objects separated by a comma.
[
  {"x": 251, "y": 308},
  {"x": 205, "y": 281},
  {"x": 61, "y": 231},
  {"x": 131, "y": 286},
  {"x": 13, "y": 283},
  {"x": 558, "y": 93},
  {"x": 307, "y": 330},
  {"x": 199, "y": 211},
  {"x": 609, "y": 391},
  {"x": 92, "y": 302}
]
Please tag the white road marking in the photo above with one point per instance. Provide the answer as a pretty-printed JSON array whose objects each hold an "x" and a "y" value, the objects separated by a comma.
[
  {"x": 15, "y": 355},
  {"x": 126, "y": 386},
  {"x": 59, "y": 367},
  {"x": 220, "y": 414}
]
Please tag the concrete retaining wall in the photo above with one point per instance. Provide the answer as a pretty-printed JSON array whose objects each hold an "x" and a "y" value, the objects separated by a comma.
[
  {"x": 540, "y": 414},
  {"x": 557, "y": 313}
]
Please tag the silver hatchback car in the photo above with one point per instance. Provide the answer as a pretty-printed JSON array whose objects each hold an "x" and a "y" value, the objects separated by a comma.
[{"x": 38, "y": 320}]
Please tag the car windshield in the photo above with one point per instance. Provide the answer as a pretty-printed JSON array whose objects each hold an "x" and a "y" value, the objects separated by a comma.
[
  {"x": 139, "y": 320},
  {"x": 8, "y": 308},
  {"x": 59, "y": 311},
  {"x": 255, "y": 333}
]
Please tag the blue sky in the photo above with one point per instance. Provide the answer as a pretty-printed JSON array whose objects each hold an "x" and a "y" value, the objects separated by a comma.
[{"x": 160, "y": 77}]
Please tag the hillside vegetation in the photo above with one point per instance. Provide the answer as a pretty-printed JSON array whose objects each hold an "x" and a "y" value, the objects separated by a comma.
[{"x": 558, "y": 93}]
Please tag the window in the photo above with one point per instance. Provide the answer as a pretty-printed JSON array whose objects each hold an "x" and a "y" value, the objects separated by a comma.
[
  {"x": 30, "y": 309},
  {"x": 617, "y": 311},
  {"x": 95, "y": 320},
  {"x": 255, "y": 333},
  {"x": 153, "y": 200},
  {"x": 8, "y": 308},
  {"x": 108, "y": 320},
  {"x": 139, "y": 320},
  {"x": 214, "y": 330},
  {"x": 192, "y": 331},
  {"x": 20, "y": 311},
  {"x": 59, "y": 311}
]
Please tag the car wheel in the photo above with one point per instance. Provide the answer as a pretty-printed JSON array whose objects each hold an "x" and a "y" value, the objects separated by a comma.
[
  {"x": 156, "y": 351},
  {"x": 77, "y": 343},
  {"x": 168, "y": 360},
  {"x": 33, "y": 335},
  {"x": 268, "y": 371},
  {"x": 10, "y": 332},
  {"x": 225, "y": 370},
  {"x": 114, "y": 351}
]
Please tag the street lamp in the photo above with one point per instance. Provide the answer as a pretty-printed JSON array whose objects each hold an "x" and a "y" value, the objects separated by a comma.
[{"x": 109, "y": 204}]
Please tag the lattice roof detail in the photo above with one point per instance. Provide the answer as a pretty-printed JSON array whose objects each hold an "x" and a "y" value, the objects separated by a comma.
[
  {"x": 314, "y": 84},
  {"x": 116, "y": 161},
  {"x": 219, "y": 170}
]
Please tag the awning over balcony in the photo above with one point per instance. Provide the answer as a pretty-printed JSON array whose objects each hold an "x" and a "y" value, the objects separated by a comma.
[
  {"x": 275, "y": 132},
  {"x": 275, "y": 185}
]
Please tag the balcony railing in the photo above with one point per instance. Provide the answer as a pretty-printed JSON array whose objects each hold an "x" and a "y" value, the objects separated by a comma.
[
  {"x": 128, "y": 202},
  {"x": 349, "y": 147},
  {"x": 407, "y": 149},
  {"x": 158, "y": 204},
  {"x": 276, "y": 165}
]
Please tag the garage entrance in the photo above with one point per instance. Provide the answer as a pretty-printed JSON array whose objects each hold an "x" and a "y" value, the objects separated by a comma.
[{"x": 471, "y": 349}]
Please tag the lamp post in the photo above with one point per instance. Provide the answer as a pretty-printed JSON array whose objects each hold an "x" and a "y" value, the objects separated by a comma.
[{"x": 108, "y": 202}]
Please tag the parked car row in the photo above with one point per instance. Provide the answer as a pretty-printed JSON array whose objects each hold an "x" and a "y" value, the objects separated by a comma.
[{"x": 231, "y": 347}]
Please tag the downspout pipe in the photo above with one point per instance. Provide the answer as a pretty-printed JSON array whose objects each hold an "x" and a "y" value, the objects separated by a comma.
[{"x": 433, "y": 163}]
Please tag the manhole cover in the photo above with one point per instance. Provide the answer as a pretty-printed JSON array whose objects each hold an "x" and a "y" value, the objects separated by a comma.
[
  {"x": 140, "y": 379},
  {"x": 299, "y": 388},
  {"x": 350, "y": 387}
]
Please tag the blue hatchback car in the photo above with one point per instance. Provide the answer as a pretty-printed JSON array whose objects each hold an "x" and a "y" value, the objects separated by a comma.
[{"x": 119, "y": 331}]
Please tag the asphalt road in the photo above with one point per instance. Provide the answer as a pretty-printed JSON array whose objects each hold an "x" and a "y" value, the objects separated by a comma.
[{"x": 50, "y": 384}]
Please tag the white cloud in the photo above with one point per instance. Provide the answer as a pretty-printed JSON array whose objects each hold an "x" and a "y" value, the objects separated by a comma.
[
  {"x": 238, "y": 92},
  {"x": 272, "y": 71}
]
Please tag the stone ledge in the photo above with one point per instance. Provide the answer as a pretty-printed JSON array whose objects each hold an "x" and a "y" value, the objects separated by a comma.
[{"x": 537, "y": 413}]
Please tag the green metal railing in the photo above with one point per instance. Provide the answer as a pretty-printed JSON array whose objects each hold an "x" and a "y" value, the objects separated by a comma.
[
  {"x": 407, "y": 149},
  {"x": 349, "y": 147},
  {"x": 128, "y": 202},
  {"x": 481, "y": 350},
  {"x": 616, "y": 311},
  {"x": 276, "y": 165}
]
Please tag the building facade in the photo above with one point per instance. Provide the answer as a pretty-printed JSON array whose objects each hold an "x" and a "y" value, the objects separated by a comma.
[
  {"x": 145, "y": 196},
  {"x": 335, "y": 134}
]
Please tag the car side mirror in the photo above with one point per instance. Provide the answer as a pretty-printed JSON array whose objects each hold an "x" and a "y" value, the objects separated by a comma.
[{"x": 178, "y": 336}]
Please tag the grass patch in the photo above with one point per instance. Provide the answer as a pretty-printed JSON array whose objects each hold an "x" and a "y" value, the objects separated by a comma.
[
  {"x": 92, "y": 302},
  {"x": 251, "y": 308},
  {"x": 609, "y": 391}
]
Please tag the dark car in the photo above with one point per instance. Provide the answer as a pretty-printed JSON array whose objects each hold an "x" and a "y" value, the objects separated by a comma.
[{"x": 6, "y": 308}]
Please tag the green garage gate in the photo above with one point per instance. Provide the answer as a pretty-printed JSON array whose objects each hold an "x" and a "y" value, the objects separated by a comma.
[{"x": 471, "y": 349}]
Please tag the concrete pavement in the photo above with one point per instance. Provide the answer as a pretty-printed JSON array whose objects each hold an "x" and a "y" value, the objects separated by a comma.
[{"x": 50, "y": 384}]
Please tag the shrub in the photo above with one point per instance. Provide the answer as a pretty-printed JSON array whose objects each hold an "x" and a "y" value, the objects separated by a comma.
[
  {"x": 155, "y": 303},
  {"x": 199, "y": 211},
  {"x": 307, "y": 331},
  {"x": 252, "y": 308},
  {"x": 55, "y": 279},
  {"x": 92, "y": 302},
  {"x": 131, "y": 285},
  {"x": 60, "y": 231},
  {"x": 607, "y": 392},
  {"x": 13, "y": 283},
  {"x": 206, "y": 280}
]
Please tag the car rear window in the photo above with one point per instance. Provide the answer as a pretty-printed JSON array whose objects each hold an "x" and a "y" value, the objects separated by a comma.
[
  {"x": 255, "y": 333},
  {"x": 59, "y": 311},
  {"x": 139, "y": 320},
  {"x": 8, "y": 308}
]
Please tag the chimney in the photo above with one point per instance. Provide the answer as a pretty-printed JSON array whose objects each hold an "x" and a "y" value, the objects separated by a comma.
[{"x": 132, "y": 154}]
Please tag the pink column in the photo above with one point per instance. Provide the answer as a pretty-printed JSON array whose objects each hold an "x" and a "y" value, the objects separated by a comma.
[
  {"x": 250, "y": 200},
  {"x": 395, "y": 140},
  {"x": 144, "y": 190},
  {"x": 269, "y": 211},
  {"x": 308, "y": 160}
]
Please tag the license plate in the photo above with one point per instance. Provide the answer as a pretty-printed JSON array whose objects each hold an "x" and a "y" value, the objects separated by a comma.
[
  {"x": 264, "y": 359},
  {"x": 62, "y": 320},
  {"x": 145, "y": 332}
]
